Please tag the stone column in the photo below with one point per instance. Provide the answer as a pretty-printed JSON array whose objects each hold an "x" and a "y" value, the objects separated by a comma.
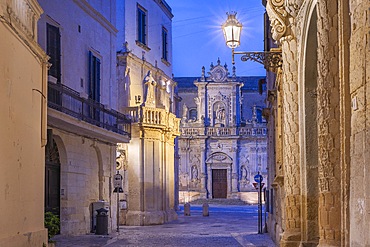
[
  {"x": 234, "y": 172},
  {"x": 282, "y": 33},
  {"x": 328, "y": 116},
  {"x": 291, "y": 155},
  {"x": 203, "y": 170}
]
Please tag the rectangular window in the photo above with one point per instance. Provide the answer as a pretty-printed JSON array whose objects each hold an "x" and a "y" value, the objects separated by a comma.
[
  {"x": 53, "y": 50},
  {"x": 164, "y": 44},
  {"x": 141, "y": 25},
  {"x": 94, "y": 77},
  {"x": 93, "y": 88}
]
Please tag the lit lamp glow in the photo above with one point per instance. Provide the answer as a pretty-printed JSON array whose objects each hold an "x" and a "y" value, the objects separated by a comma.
[{"x": 232, "y": 29}]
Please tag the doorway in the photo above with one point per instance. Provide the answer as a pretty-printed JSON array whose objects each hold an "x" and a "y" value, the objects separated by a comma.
[
  {"x": 52, "y": 178},
  {"x": 219, "y": 183}
]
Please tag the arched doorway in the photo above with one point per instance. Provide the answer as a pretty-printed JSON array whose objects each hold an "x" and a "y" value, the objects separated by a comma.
[
  {"x": 52, "y": 178},
  {"x": 219, "y": 168}
]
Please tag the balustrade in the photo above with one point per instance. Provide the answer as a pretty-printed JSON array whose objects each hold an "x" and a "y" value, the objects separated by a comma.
[{"x": 224, "y": 131}]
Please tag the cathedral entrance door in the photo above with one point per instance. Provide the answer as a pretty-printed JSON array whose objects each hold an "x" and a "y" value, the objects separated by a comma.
[{"x": 219, "y": 183}]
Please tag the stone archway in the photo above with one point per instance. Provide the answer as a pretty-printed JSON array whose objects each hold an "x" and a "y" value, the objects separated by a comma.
[{"x": 309, "y": 130}]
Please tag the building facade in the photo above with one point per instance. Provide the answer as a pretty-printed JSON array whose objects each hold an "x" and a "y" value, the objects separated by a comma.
[
  {"x": 84, "y": 125},
  {"x": 223, "y": 135},
  {"x": 23, "y": 80},
  {"x": 147, "y": 93},
  {"x": 319, "y": 194}
]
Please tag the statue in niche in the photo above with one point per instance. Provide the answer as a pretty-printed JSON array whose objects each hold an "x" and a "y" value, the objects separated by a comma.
[
  {"x": 244, "y": 173},
  {"x": 220, "y": 114},
  {"x": 194, "y": 172},
  {"x": 150, "y": 90}
]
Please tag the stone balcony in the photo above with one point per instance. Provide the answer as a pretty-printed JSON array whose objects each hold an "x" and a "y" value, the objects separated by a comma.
[{"x": 154, "y": 117}]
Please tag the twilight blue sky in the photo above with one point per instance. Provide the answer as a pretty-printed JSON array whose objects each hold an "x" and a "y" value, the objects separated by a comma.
[{"x": 198, "y": 40}]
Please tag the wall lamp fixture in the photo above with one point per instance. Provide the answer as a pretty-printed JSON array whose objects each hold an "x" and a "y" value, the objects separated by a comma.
[{"x": 232, "y": 28}]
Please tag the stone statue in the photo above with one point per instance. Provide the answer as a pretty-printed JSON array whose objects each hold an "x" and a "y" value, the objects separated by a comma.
[
  {"x": 150, "y": 90},
  {"x": 243, "y": 173},
  {"x": 220, "y": 113},
  {"x": 194, "y": 172},
  {"x": 184, "y": 111}
]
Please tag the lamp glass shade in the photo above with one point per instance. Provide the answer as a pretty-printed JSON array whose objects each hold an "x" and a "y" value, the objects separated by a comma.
[{"x": 232, "y": 29}]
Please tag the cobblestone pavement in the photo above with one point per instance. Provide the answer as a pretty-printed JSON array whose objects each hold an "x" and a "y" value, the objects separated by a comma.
[{"x": 227, "y": 225}]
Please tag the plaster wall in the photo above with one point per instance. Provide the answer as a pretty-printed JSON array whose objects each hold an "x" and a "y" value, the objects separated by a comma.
[
  {"x": 22, "y": 109},
  {"x": 157, "y": 17},
  {"x": 86, "y": 29},
  {"x": 87, "y": 152}
]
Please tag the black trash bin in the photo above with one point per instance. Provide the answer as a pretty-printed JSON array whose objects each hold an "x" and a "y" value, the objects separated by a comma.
[{"x": 102, "y": 222}]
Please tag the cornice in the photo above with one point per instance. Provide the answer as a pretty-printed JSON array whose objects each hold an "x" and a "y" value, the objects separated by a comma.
[{"x": 85, "y": 6}]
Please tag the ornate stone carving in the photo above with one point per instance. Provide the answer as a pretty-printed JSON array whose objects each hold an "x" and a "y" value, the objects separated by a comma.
[
  {"x": 293, "y": 6},
  {"x": 218, "y": 73},
  {"x": 277, "y": 14}
]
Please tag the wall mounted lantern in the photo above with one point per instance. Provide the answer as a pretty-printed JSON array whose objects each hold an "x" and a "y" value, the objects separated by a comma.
[{"x": 232, "y": 29}]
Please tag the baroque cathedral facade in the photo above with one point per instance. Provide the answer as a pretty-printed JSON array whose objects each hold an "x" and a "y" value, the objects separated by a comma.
[{"x": 223, "y": 138}]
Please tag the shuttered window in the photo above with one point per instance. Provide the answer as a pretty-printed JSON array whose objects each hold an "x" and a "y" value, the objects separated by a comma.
[
  {"x": 164, "y": 44},
  {"x": 94, "y": 77},
  {"x": 141, "y": 25},
  {"x": 53, "y": 51}
]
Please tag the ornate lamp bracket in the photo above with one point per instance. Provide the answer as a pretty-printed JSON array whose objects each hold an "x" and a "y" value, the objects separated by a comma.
[{"x": 271, "y": 60}]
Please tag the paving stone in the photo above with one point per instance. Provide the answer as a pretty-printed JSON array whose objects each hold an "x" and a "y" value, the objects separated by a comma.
[{"x": 227, "y": 225}]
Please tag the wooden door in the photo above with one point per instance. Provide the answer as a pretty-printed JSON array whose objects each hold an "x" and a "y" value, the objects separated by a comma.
[{"x": 219, "y": 183}]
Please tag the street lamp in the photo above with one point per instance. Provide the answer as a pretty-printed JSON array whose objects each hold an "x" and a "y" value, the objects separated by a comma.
[{"x": 232, "y": 29}]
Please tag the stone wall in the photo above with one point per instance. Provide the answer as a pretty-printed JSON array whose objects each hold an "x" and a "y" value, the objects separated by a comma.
[
  {"x": 359, "y": 76},
  {"x": 324, "y": 100},
  {"x": 87, "y": 168}
]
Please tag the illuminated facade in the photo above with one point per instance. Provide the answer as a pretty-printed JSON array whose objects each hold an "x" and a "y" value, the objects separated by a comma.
[
  {"x": 223, "y": 135},
  {"x": 147, "y": 94}
]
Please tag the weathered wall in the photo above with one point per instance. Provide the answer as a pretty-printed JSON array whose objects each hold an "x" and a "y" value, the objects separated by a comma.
[
  {"x": 22, "y": 112},
  {"x": 360, "y": 139}
]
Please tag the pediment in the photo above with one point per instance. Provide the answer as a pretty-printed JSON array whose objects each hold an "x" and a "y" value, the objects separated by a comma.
[{"x": 219, "y": 157}]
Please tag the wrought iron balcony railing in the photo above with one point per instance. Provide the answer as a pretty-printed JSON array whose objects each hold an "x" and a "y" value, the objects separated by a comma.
[{"x": 69, "y": 101}]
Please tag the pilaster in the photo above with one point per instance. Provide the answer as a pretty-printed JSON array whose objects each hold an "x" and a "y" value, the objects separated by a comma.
[
  {"x": 328, "y": 125},
  {"x": 151, "y": 181}
]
